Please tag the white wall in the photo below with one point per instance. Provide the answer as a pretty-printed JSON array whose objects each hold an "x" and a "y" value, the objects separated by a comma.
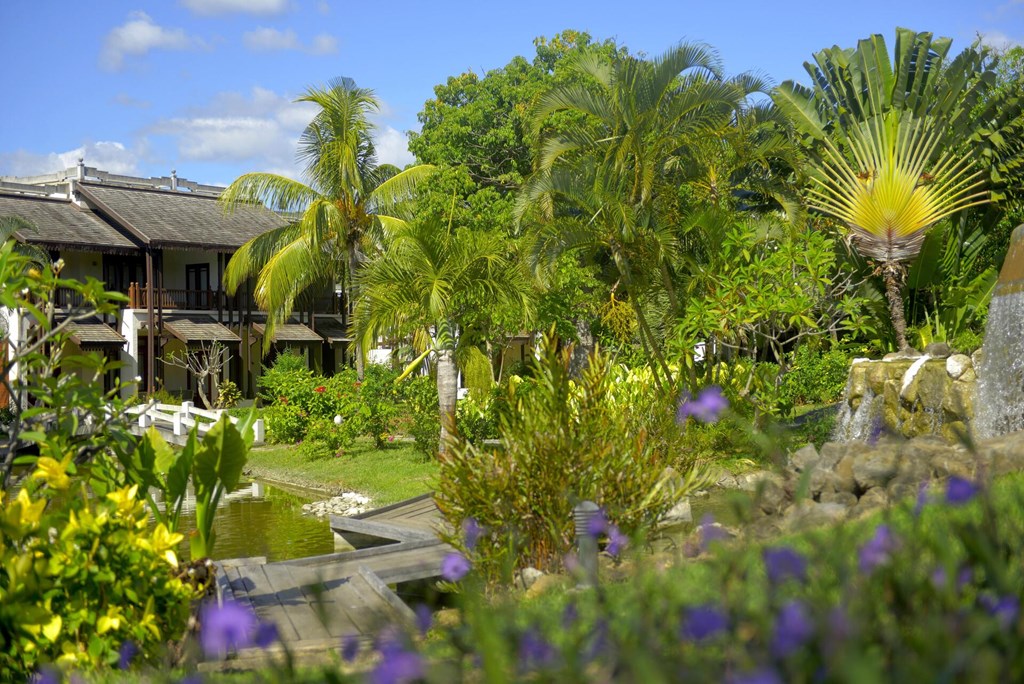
[
  {"x": 78, "y": 265},
  {"x": 174, "y": 267}
]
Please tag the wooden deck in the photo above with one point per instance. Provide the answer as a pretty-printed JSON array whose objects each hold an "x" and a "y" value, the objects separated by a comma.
[
  {"x": 415, "y": 519},
  {"x": 318, "y": 600}
]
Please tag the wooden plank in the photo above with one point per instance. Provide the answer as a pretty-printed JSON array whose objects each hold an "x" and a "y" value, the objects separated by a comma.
[
  {"x": 327, "y": 599},
  {"x": 384, "y": 509},
  {"x": 383, "y": 530},
  {"x": 346, "y": 556},
  {"x": 239, "y": 586},
  {"x": 369, "y": 610},
  {"x": 403, "y": 612},
  {"x": 265, "y": 601},
  {"x": 301, "y": 613}
]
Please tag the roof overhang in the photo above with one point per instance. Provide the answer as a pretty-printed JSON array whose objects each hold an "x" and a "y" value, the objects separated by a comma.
[
  {"x": 289, "y": 332},
  {"x": 197, "y": 329}
]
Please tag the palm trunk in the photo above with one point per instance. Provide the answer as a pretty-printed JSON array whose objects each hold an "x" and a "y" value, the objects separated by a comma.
[
  {"x": 353, "y": 263},
  {"x": 582, "y": 350},
  {"x": 447, "y": 395},
  {"x": 894, "y": 293}
]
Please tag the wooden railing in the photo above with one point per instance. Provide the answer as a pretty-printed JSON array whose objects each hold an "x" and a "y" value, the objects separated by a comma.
[
  {"x": 206, "y": 300},
  {"x": 179, "y": 420}
]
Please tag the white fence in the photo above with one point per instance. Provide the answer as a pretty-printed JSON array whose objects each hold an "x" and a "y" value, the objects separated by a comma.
[{"x": 179, "y": 420}]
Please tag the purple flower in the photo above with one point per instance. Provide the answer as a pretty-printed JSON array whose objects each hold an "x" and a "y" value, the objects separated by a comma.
[
  {"x": 126, "y": 654},
  {"x": 939, "y": 577},
  {"x": 570, "y": 615},
  {"x": 839, "y": 628},
  {"x": 424, "y": 618},
  {"x": 471, "y": 531},
  {"x": 1005, "y": 608},
  {"x": 706, "y": 408},
  {"x": 598, "y": 524},
  {"x": 454, "y": 567},
  {"x": 266, "y": 635},
  {"x": 598, "y": 642},
  {"x": 783, "y": 563},
  {"x": 616, "y": 541},
  {"x": 964, "y": 577},
  {"x": 710, "y": 532},
  {"x": 922, "y": 498},
  {"x": 397, "y": 664},
  {"x": 225, "y": 627},
  {"x": 703, "y": 622},
  {"x": 959, "y": 491},
  {"x": 47, "y": 675},
  {"x": 349, "y": 647},
  {"x": 793, "y": 628},
  {"x": 763, "y": 676},
  {"x": 535, "y": 650},
  {"x": 878, "y": 550}
]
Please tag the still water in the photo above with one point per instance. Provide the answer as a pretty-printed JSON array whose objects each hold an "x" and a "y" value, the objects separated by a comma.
[{"x": 263, "y": 520}]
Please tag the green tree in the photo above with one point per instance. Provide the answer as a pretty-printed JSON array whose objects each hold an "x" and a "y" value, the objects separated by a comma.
[
  {"x": 339, "y": 210},
  {"x": 598, "y": 184},
  {"x": 892, "y": 143},
  {"x": 430, "y": 282}
]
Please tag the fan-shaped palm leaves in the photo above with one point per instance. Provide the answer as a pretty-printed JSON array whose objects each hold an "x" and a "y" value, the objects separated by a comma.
[
  {"x": 337, "y": 213},
  {"x": 425, "y": 284},
  {"x": 888, "y": 141}
]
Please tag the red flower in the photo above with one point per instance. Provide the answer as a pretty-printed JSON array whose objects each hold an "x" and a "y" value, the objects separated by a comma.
[
  {"x": 320, "y": 389},
  {"x": 357, "y": 384},
  {"x": 283, "y": 399}
]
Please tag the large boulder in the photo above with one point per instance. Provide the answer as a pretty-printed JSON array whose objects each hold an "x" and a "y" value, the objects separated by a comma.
[{"x": 875, "y": 468}]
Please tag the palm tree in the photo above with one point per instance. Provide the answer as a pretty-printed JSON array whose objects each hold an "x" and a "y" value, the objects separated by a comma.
[
  {"x": 338, "y": 213},
  {"x": 9, "y": 226},
  {"x": 429, "y": 282},
  {"x": 607, "y": 172},
  {"x": 889, "y": 144}
]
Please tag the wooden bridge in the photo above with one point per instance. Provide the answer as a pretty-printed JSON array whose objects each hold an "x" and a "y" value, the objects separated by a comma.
[
  {"x": 174, "y": 422},
  {"x": 319, "y": 600}
]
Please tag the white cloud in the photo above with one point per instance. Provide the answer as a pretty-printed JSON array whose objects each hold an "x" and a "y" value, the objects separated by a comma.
[
  {"x": 212, "y": 7},
  {"x": 323, "y": 7},
  {"x": 137, "y": 36},
  {"x": 106, "y": 155},
  {"x": 271, "y": 40},
  {"x": 997, "y": 40},
  {"x": 392, "y": 147}
]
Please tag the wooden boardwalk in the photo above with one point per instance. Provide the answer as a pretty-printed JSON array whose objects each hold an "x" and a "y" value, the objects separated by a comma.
[
  {"x": 318, "y": 600},
  {"x": 415, "y": 519}
]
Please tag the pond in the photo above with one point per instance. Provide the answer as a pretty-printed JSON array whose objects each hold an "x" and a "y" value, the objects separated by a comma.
[{"x": 260, "y": 519}]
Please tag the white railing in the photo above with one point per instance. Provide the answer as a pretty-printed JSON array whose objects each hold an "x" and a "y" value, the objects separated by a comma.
[{"x": 179, "y": 420}]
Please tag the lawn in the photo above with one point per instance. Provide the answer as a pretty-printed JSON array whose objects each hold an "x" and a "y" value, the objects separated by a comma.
[{"x": 385, "y": 475}]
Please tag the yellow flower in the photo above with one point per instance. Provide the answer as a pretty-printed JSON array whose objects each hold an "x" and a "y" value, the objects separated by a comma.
[
  {"x": 128, "y": 506},
  {"x": 27, "y": 512},
  {"x": 162, "y": 543},
  {"x": 53, "y": 472}
]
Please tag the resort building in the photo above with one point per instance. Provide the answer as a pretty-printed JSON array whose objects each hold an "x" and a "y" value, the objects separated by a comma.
[{"x": 164, "y": 243}]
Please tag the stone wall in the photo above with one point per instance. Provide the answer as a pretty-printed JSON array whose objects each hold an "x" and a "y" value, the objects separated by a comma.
[{"x": 909, "y": 396}]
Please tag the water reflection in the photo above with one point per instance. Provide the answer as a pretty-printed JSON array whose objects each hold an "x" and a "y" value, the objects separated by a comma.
[{"x": 263, "y": 520}]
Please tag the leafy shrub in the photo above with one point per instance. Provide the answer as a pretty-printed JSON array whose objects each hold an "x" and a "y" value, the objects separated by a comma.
[
  {"x": 424, "y": 416},
  {"x": 477, "y": 420},
  {"x": 814, "y": 377},
  {"x": 228, "y": 394},
  {"x": 329, "y": 437},
  {"x": 317, "y": 450},
  {"x": 286, "y": 423},
  {"x": 379, "y": 398},
  {"x": 569, "y": 442},
  {"x": 289, "y": 378}
]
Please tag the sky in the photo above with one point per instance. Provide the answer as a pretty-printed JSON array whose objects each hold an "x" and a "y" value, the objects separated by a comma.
[{"x": 207, "y": 87}]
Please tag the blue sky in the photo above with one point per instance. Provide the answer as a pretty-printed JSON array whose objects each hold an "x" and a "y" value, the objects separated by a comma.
[{"x": 206, "y": 87}]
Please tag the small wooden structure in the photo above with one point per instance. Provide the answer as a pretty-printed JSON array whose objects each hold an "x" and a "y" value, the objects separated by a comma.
[{"x": 319, "y": 600}]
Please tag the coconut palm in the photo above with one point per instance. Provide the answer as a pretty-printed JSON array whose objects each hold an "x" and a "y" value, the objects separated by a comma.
[
  {"x": 429, "y": 283},
  {"x": 11, "y": 227},
  {"x": 889, "y": 144},
  {"x": 338, "y": 211},
  {"x": 607, "y": 172}
]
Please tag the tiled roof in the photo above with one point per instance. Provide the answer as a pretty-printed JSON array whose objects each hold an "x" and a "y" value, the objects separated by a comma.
[
  {"x": 331, "y": 329},
  {"x": 93, "y": 332},
  {"x": 289, "y": 332},
  {"x": 179, "y": 219},
  {"x": 199, "y": 328},
  {"x": 59, "y": 224}
]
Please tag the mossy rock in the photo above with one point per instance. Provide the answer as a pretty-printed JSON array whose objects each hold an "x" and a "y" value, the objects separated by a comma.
[
  {"x": 858, "y": 383},
  {"x": 959, "y": 400},
  {"x": 928, "y": 387}
]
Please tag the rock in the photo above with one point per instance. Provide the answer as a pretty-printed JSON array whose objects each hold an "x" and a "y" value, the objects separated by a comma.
[
  {"x": 845, "y": 479},
  {"x": 902, "y": 355},
  {"x": 876, "y": 468},
  {"x": 809, "y": 514},
  {"x": 978, "y": 357},
  {"x": 938, "y": 350},
  {"x": 769, "y": 488},
  {"x": 954, "y": 461},
  {"x": 803, "y": 458},
  {"x": 845, "y": 499},
  {"x": 858, "y": 380},
  {"x": 727, "y": 481},
  {"x": 348, "y": 503},
  {"x": 957, "y": 364},
  {"x": 832, "y": 453},
  {"x": 822, "y": 481},
  {"x": 872, "y": 500},
  {"x": 545, "y": 584},
  {"x": 680, "y": 513},
  {"x": 529, "y": 576},
  {"x": 448, "y": 618}
]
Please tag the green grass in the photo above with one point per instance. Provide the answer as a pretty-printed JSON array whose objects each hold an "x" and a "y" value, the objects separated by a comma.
[{"x": 385, "y": 475}]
